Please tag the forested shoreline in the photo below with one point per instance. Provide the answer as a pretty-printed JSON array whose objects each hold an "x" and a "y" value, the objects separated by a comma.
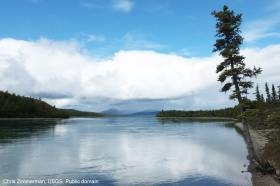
[
  {"x": 262, "y": 112},
  {"x": 16, "y": 106},
  {"x": 223, "y": 113}
]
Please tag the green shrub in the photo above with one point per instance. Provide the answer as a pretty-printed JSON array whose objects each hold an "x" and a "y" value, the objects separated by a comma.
[
  {"x": 254, "y": 117},
  {"x": 273, "y": 120}
]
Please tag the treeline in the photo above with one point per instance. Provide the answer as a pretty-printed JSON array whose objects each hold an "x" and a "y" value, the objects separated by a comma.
[
  {"x": 225, "y": 113},
  {"x": 272, "y": 96},
  {"x": 77, "y": 113},
  {"x": 12, "y": 105},
  {"x": 266, "y": 115},
  {"x": 262, "y": 112}
]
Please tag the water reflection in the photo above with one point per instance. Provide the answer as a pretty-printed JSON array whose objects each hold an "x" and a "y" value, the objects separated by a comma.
[
  {"x": 170, "y": 120},
  {"x": 130, "y": 151},
  {"x": 13, "y": 129}
]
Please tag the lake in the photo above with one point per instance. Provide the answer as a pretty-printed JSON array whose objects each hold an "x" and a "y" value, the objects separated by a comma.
[{"x": 122, "y": 151}]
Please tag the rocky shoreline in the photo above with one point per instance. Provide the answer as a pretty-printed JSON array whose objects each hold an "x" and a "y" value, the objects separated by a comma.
[{"x": 256, "y": 141}]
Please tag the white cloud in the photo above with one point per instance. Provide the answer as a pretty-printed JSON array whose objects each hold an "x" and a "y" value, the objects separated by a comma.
[
  {"x": 268, "y": 59},
  {"x": 95, "y": 38},
  {"x": 266, "y": 27},
  {"x": 261, "y": 29},
  {"x": 123, "y": 5},
  {"x": 146, "y": 74},
  {"x": 62, "y": 71},
  {"x": 138, "y": 41}
]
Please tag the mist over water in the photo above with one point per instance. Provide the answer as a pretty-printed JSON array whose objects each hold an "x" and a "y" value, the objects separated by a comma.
[{"x": 124, "y": 151}]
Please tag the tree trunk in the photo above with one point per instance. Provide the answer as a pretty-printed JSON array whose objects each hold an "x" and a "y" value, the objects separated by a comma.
[
  {"x": 237, "y": 89},
  {"x": 245, "y": 124}
]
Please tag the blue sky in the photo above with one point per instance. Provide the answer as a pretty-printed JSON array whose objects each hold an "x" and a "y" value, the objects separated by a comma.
[
  {"x": 112, "y": 35},
  {"x": 179, "y": 26}
]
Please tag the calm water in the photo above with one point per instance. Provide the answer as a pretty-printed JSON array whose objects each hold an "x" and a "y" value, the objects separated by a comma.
[{"x": 123, "y": 151}]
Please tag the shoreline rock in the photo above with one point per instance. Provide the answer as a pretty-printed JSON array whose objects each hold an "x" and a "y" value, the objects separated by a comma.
[{"x": 256, "y": 141}]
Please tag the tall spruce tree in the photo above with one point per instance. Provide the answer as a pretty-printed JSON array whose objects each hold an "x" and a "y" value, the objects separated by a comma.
[
  {"x": 262, "y": 98},
  {"x": 268, "y": 96},
  {"x": 279, "y": 93},
  {"x": 258, "y": 95},
  {"x": 273, "y": 94},
  {"x": 232, "y": 71}
]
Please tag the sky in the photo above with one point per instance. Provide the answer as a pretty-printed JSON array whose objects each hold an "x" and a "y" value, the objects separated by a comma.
[{"x": 130, "y": 55}]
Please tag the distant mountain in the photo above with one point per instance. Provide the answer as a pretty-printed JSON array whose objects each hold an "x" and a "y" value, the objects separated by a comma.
[
  {"x": 145, "y": 113},
  {"x": 16, "y": 106},
  {"x": 116, "y": 112},
  {"x": 113, "y": 112}
]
